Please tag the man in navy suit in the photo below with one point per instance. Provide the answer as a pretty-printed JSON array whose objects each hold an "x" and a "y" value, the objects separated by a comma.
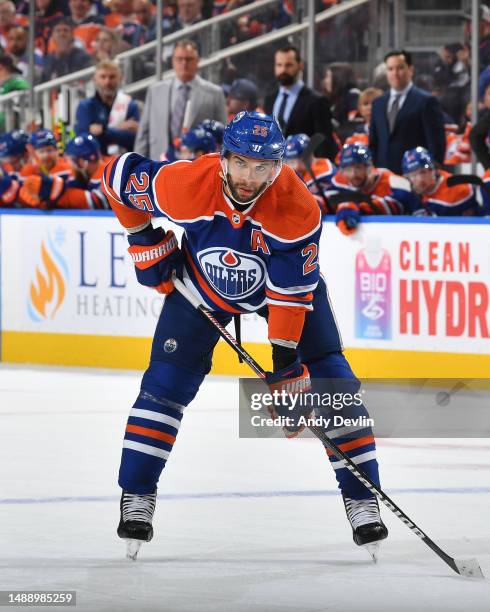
[
  {"x": 404, "y": 117},
  {"x": 297, "y": 108}
]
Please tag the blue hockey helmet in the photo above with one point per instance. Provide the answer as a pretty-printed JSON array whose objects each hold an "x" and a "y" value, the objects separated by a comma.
[
  {"x": 254, "y": 134},
  {"x": 43, "y": 138},
  {"x": 356, "y": 153},
  {"x": 13, "y": 143},
  {"x": 216, "y": 128},
  {"x": 416, "y": 159},
  {"x": 84, "y": 146},
  {"x": 199, "y": 139},
  {"x": 295, "y": 146}
]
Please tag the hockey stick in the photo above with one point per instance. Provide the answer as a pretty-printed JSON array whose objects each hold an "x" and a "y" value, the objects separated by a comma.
[
  {"x": 315, "y": 141},
  {"x": 463, "y": 179},
  {"x": 469, "y": 568},
  {"x": 350, "y": 196}
]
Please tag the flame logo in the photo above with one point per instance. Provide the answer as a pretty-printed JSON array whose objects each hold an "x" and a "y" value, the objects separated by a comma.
[{"x": 47, "y": 291}]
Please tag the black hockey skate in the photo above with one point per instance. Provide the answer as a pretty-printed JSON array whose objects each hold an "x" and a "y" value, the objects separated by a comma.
[
  {"x": 135, "y": 523},
  {"x": 367, "y": 527}
]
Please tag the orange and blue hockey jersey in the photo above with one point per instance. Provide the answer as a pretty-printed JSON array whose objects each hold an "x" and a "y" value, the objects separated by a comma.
[
  {"x": 392, "y": 193},
  {"x": 444, "y": 201},
  {"x": 236, "y": 262}
]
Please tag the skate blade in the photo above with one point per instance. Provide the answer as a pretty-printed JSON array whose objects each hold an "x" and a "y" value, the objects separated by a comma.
[
  {"x": 132, "y": 549},
  {"x": 373, "y": 549},
  {"x": 470, "y": 568}
]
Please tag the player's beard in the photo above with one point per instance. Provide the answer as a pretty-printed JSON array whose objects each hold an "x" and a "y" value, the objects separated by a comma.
[{"x": 233, "y": 188}]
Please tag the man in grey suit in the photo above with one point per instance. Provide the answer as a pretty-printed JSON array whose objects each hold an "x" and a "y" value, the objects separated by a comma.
[{"x": 177, "y": 103}]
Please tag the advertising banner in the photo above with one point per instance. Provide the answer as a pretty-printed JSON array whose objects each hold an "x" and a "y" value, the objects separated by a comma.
[
  {"x": 414, "y": 286},
  {"x": 406, "y": 285}
]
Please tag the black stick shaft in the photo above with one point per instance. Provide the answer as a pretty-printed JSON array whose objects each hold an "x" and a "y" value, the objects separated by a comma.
[{"x": 320, "y": 434}]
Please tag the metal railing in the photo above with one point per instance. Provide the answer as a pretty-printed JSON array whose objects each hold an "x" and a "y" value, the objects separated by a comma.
[{"x": 16, "y": 105}]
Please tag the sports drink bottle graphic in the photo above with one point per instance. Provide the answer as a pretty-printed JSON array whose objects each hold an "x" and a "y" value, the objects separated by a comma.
[{"x": 373, "y": 292}]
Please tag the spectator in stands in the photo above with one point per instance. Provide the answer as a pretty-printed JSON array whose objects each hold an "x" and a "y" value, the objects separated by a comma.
[
  {"x": 111, "y": 115},
  {"x": 10, "y": 80},
  {"x": 343, "y": 95},
  {"x": 189, "y": 12},
  {"x": 479, "y": 133},
  {"x": 7, "y": 21},
  {"x": 185, "y": 97},
  {"x": 10, "y": 76},
  {"x": 430, "y": 184},
  {"x": 121, "y": 11},
  {"x": 242, "y": 95},
  {"x": 48, "y": 13},
  {"x": 108, "y": 43},
  {"x": 362, "y": 120},
  {"x": 67, "y": 57},
  {"x": 298, "y": 109},
  {"x": 17, "y": 47},
  {"x": 143, "y": 9},
  {"x": 86, "y": 20},
  {"x": 84, "y": 11},
  {"x": 404, "y": 117}
]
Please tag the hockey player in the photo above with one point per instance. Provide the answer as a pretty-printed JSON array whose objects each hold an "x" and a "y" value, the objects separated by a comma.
[
  {"x": 83, "y": 190},
  {"x": 13, "y": 154},
  {"x": 430, "y": 184},
  {"x": 80, "y": 192},
  {"x": 13, "y": 151},
  {"x": 322, "y": 168},
  {"x": 215, "y": 127},
  {"x": 250, "y": 244},
  {"x": 389, "y": 193},
  {"x": 45, "y": 157},
  {"x": 196, "y": 142}
]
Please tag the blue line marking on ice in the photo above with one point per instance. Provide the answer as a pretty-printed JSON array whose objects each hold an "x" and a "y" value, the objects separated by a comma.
[{"x": 240, "y": 495}]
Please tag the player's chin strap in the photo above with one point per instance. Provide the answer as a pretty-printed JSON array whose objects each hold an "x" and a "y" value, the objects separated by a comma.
[{"x": 224, "y": 177}]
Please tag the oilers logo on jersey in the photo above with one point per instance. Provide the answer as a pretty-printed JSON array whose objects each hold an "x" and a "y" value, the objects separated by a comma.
[{"x": 233, "y": 275}]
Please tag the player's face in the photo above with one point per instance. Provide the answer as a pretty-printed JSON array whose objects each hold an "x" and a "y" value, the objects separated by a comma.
[
  {"x": 357, "y": 174},
  {"x": 48, "y": 157},
  {"x": 16, "y": 161},
  {"x": 186, "y": 153},
  {"x": 296, "y": 164},
  {"x": 398, "y": 72},
  {"x": 247, "y": 177},
  {"x": 423, "y": 180}
]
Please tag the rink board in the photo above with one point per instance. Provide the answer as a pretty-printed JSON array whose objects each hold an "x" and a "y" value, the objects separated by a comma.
[{"x": 411, "y": 296}]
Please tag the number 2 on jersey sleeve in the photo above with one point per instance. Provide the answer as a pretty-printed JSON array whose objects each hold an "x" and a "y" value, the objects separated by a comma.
[{"x": 311, "y": 252}]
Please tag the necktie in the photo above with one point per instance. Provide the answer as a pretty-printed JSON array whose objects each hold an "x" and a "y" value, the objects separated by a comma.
[
  {"x": 282, "y": 108},
  {"x": 393, "y": 112},
  {"x": 178, "y": 110}
]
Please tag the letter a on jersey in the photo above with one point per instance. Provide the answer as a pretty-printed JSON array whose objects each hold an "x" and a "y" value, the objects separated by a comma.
[{"x": 258, "y": 242}]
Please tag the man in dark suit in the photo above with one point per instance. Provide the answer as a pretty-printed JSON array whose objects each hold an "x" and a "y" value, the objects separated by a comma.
[
  {"x": 404, "y": 117},
  {"x": 298, "y": 109}
]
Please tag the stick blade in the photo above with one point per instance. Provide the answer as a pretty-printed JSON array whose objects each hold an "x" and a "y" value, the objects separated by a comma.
[{"x": 470, "y": 568}]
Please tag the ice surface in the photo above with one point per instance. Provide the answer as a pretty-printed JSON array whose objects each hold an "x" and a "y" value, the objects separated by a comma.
[{"x": 241, "y": 525}]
